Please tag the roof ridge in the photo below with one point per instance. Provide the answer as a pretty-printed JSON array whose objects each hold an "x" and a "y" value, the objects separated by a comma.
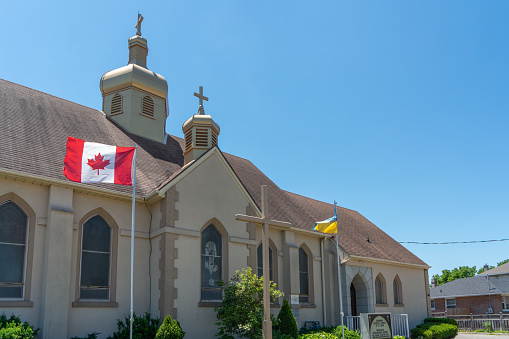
[
  {"x": 50, "y": 95},
  {"x": 323, "y": 202}
]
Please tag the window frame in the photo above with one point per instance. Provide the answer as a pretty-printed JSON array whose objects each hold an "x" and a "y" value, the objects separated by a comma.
[
  {"x": 397, "y": 288},
  {"x": 272, "y": 247},
  {"x": 433, "y": 304},
  {"x": 29, "y": 251},
  {"x": 224, "y": 259},
  {"x": 383, "y": 290},
  {"x": 112, "y": 301},
  {"x": 310, "y": 295},
  {"x": 505, "y": 303},
  {"x": 448, "y": 306}
]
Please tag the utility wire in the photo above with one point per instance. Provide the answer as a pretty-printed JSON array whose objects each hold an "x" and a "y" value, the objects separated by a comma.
[{"x": 450, "y": 242}]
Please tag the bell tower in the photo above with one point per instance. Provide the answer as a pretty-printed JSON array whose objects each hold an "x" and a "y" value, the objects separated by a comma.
[
  {"x": 135, "y": 97},
  {"x": 200, "y": 132}
]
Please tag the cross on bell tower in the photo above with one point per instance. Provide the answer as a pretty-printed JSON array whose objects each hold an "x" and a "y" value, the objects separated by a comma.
[{"x": 201, "y": 110}]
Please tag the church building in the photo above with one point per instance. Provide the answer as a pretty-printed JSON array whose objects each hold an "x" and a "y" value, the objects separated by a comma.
[{"x": 65, "y": 246}]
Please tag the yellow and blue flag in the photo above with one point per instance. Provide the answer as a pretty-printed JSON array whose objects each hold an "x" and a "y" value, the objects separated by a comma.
[{"x": 327, "y": 226}]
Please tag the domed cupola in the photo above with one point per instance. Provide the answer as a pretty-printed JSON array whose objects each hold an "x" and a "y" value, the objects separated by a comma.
[{"x": 135, "y": 97}]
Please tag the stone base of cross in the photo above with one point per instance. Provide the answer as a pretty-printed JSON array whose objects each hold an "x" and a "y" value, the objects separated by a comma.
[{"x": 266, "y": 222}]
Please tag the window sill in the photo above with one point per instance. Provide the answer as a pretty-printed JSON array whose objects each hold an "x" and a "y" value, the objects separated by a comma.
[
  {"x": 382, "y": 305},
  {"x": 95, "y": 304},
  {"x": 15, "y": 303},
  {"x": 399, "y": 305},
  {"x": 210, "y": 303}
]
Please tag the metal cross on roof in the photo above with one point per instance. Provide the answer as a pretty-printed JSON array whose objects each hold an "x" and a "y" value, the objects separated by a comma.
[
  {"x": 201, "y": 97},
  {"x": 138, "y": 24}
]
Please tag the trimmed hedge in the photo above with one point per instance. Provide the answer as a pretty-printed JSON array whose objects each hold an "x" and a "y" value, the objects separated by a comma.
[
  {"x": 434, "y": 330},
  {"x": 441, "y": 320}
]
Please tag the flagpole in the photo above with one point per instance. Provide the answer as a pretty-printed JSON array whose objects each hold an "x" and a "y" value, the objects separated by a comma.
[
  {"x": 339, "y": 273},
  {"x": 131, "y": 319}
]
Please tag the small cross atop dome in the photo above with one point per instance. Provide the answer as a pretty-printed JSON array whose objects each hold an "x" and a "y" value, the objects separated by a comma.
[
  {"x": 201, "y": 110},
  {"x": 138, "y": 24}
]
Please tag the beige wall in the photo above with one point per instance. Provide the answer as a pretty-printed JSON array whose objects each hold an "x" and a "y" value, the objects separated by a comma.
[{"x": 209, "y": 191}]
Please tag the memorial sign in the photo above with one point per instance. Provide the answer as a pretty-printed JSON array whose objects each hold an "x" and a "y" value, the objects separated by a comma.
[{"x": 376, "y": 326}]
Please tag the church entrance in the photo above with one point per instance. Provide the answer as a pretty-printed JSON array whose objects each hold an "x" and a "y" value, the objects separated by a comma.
[
  {"x": 358, "y": 296},
  {"x": 353, "y": 300}
]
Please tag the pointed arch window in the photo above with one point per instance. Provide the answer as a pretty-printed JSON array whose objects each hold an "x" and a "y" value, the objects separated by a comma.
[
  {"x": 259, "y": 258},
  {"x": 380, "y": 290},
  {"x": 398, "y": 293},
  {"x": 95, "y": 260},
  {"x": 303, "y": 276},
  {"x": 13, "y": 246},
  {"x": 211, "y": 264}
]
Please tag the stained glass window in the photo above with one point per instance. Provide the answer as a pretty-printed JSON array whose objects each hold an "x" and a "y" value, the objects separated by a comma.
[
  {"x": 95, "y": 259},
  {"x": 303, "y": 276},
  {"x": 211, "y": 263},
  {"x": 13, "y": 235},
  {"x": 259, "y": 258}
]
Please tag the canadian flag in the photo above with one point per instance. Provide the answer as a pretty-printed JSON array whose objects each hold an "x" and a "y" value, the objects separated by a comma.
[{"x": 90, "y": 162}]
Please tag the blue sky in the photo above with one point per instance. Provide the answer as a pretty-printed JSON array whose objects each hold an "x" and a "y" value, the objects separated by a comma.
[{"x": 396, "y": 109}]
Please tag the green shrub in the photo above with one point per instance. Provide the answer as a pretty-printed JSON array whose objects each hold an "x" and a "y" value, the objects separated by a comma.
[
  {"x": 170, "y": 329},
  {"x": 314, "y": 330},
  {"x": 89, "y": 336},
  {"x": 286, "y": 321},
  {"x": 276, "y": 334},
  {"x": 349, "y": 334},
  {"x": 13, "y": 328},
  {"x": 441, "y": 321},
  {"x": 488, "y": 326},
  {"x": 434, "y": 330},
  {"x": 143, "y": 327},
  {"x": 318, "y": 335},
  {"x": 399, "y": 337}
]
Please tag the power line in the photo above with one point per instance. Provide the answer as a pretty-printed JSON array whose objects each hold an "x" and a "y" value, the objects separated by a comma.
[{"x": 450, "y": 242}]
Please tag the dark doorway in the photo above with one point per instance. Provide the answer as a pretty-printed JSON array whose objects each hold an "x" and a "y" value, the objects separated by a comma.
[{"x": 353, "y": 300}]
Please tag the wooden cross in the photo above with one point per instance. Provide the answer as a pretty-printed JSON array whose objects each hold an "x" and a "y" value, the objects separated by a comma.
[
  {"x": 265, "y": 221},
  {"x": 138, "y": 24}
]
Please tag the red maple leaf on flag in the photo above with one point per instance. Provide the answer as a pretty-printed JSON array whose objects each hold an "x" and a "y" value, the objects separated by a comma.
[{"x": 98, "y": 163}]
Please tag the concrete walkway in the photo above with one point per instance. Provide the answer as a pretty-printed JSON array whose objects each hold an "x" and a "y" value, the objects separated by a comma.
[{"x": 474, "y": 335}]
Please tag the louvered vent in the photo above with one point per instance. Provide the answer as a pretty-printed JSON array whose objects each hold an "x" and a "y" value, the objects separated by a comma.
[
  {"x": 189, "y": 140},
  {"x": 116, "y": 104},
  {"x": 202, "y": 137},
  {"x": 147, "y": 106},
  {"x": 214, "y": 139}
]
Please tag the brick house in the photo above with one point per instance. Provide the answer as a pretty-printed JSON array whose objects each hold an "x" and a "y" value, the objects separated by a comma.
[{"x": 485, "y": 293}]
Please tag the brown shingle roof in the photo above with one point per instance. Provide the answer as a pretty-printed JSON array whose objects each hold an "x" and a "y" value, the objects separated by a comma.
[{"x": 35, "y": 126}]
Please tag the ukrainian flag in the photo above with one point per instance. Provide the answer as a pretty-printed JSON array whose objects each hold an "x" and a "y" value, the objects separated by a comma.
[{"x": 327, "y": 226}]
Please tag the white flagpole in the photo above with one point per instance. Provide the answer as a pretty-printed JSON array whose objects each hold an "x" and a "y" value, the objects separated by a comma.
[
  {"x": 131, "y": 319},
  {"x": 339, "y": 273}
]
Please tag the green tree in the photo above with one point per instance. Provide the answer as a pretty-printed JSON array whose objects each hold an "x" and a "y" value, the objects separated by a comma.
[
  {"x": 286, "y": 321},
  {"x": 456, "y": 273},
  {"x": 170, "y": 329},
  {"x": 241, "y": 312}
]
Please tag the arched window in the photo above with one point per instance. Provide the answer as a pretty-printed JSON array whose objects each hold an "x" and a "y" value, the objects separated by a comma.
[
  {"x": 380, "y": 290},
  {"x": 116, "y": 104},
  {"x": 259, "y": 258},
  {"x": 211, "y": 263},
  {"x": 95, "y": 260},
  {"x": 398, "y": 293},
  {"x": 13, "y": 244},
  {"x": 303, "y": 276},
  {"x": 147, "y": 106}
]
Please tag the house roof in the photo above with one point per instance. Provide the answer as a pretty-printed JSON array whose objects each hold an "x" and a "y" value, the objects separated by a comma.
[
  {"x": 478, "y": 285},
  {"x": 502, "y": 269},
  {"x": 35, "y": 126}
]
